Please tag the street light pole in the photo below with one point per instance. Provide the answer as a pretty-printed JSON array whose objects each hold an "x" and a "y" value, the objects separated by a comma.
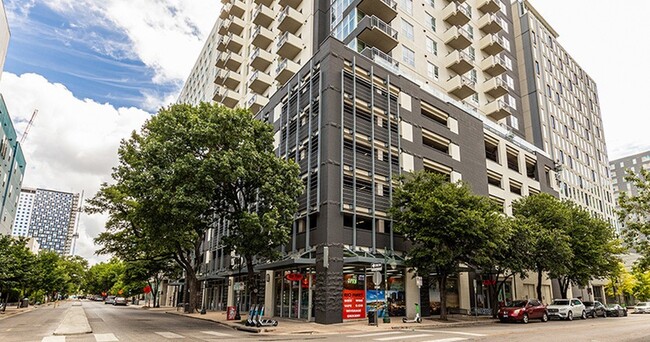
[{"x": 387, "y": 311}]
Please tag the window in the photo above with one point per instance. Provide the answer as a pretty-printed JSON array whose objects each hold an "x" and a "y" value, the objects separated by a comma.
[
  {"x": 408, "y": 6},
  {"x": 514, "y": 122},
  {"x": 432, "y": 71},
  {"x": 407, "y": 29},
  {"x": 473, "y": 75},
  {"x": 408, "y": 56},
  {"x": 432, "y": 22},
  {"x": 471, "y": 52},
  {"x": 537, "y": 67},
  {"x": 432, "y": 46}
]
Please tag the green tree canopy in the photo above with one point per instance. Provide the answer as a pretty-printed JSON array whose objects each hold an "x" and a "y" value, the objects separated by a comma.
[
  {"x": 635, "y": 214},
  {"x": 447, "y": 224}
]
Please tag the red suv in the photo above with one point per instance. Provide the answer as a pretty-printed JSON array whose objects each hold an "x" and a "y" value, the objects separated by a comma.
[{"x": 523, "y": 311}]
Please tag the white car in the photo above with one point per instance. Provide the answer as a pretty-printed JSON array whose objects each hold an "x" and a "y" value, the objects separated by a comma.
[
  {"x": 566, "y": 309},
  {"x": 642, "y": 307}
]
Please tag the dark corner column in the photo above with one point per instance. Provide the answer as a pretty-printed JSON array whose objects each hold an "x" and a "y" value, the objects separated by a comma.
[
  {"x": 425, "y": 301},
  {"x": 328, "y": 297}
]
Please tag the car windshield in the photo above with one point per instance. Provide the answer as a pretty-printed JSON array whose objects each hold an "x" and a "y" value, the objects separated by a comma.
[
  {"x": 560, "y": 302},
  {"x": 612, "y": 305},
  {"x": 642, "y": 304},
  {"x": 518, "y": 304},
  {"x": 588, "y": 303}
]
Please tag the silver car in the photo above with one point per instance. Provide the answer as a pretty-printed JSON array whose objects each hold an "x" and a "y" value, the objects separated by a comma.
[
  {"x": 642, "y": 307},
  {"x": 566, "y": 309}
]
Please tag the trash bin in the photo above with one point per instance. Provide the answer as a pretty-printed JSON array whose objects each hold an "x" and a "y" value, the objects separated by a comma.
[
  {"x": 24, "y": 303},
  {"x": 372, "y": 317}
]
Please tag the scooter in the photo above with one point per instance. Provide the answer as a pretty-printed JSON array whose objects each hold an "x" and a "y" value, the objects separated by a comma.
[
  {"x": 261, "y": 322},
  {"x": 417, "y": 318},
  {"x": 250, "y": 321}
]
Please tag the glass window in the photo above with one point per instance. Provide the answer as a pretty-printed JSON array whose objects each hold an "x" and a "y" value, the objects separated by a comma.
[
  {"x": 432, "y": 46},
  {"x": 408, "y": 6},
  {"x": 407, "y": 29},
  {"x": 432, "y": 22},
  {"x": 432, "y": 71},
  {"x": 408, "y": 56}
]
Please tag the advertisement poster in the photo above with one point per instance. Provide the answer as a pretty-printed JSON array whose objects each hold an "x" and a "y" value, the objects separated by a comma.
[
  {"x": 354, "y": 303},
  {"x": 375, "y": 299}
]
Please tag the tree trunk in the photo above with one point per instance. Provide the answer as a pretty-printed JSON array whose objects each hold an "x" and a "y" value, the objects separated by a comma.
[
  {"x": 252, "y": 281},
  {"x": 539, "y": 284},
  {"x": 442, "y": 285},
  {"x": 194, "y": 287},
  {"x": 564, "y": 287}
]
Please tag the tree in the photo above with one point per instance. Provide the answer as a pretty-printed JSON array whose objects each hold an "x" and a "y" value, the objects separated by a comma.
[
  {"x": 620, "y": 283},
  {"x": 102, "y": 277},
  {"x": 447, "y": 224},
  {"x": 543, "y": 217},
  {"x": 593, "y": 246},
  {"x": 16, "y": 263},
  {"x": 190, "y": 168},
  {"x": 634, "y": 213},
  {"x": 641, "y": 289}
]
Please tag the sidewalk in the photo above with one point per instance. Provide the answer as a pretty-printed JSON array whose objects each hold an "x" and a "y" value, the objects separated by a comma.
[
  {"x": 13, "y": 311},
  {"x": 290, "y": 326}
]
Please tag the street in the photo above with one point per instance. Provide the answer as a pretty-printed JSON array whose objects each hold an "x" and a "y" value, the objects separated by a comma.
[{"x": 132, "y": 323}]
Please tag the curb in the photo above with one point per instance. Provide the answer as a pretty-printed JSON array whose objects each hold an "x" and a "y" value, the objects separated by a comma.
[
  {"x": 29, "y": 309},
  {"x": 235, "y": 327},
  {"x": 444, "y": 325},
  {"x": 74, "y": 322}
]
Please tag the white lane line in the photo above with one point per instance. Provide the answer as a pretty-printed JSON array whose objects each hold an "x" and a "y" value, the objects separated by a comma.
[
  {"x": 105, "y": 338},
  {"x": 214, "y": 333},
  {"x": 451, "y": 339},
  {"x": 403, "y": 337},
  {"x": 53, "y": 339},
  {"x": 376, "y": 334},
  {"x": 167, "y": 334},
  {"x": 460, "y": 333}
]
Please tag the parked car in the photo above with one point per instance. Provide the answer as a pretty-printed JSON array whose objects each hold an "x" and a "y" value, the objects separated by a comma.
[
  {"x": 615, "y": 310},
  {"x": 595, "y": 309},
  {"x": 109, "y": 300},
  {"x": 642, "y": 307},
  {"x": 98, "y": 298},
  {"x": 566, "y": 309},
  {"x": 119, "y": 301},
  {"x": 523, "y": 311}
]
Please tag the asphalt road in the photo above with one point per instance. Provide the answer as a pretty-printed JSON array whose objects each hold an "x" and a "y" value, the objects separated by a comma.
[{"x": 111, "y": 323}]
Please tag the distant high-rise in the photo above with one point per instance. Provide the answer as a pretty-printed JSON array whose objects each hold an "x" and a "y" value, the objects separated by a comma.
[
  {"x": 619, "y": 168},
  {"x": 200, "y": 86},
  {"x": 48, "y": 216}
]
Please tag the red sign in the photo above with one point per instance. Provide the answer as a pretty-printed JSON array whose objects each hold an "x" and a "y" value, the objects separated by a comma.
[
  {"x": 231, "y": 313},
  {"x": 147, "y": 289},
  {"x": 294, "y": 277},
  {"x": 354, "y": 304},
  {"x": 489, "y": 282}
]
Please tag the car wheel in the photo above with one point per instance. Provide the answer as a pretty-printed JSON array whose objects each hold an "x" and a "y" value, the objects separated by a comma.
[
  {"x": 502, "y": 320},
  {"x": 583, "y": 315},
  {"x": 525, "y": 319},
  {"x": 569, "y": 316},
  {"x": 625, "y": 313},
  {"x": 605, "y": 314},
  {"x": 545, "y": 317}
]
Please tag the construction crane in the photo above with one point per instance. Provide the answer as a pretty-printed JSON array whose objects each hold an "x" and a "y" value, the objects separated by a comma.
[{"x": 29, "y": 125}]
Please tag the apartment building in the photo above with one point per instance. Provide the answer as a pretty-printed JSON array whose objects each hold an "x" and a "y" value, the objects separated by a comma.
[
  {"x": 360, "y": 91},
  {"x": 48, "y": 216},
  {"x": 12, "y": 169},
  {"x": 619, "y": 167},
  {"x": 199, "y": 86}
]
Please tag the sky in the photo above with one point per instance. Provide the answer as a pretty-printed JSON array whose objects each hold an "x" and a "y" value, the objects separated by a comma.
[{"x": 97, "y": 69}]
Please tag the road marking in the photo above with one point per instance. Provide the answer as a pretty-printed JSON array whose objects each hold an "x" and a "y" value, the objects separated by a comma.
[
  {"x": 167, "y": 334},
  {"x": 460, "y": 333},
  {"x": 214, "y": 333},
  {"x": 376, "y": 334},
  {"x": 403, "y": 337},
  {"x": 105, "y": 338},
  {"x": 451, "y": 339},
  {"x": 53, "y": 339}
]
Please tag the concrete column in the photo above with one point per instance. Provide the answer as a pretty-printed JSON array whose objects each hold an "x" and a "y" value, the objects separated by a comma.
[
  {"x": 269, "y": 306},
  {"x": 328, "y": 294},
  {"x": 412, "y": 294},
  {"x": 231, "y": 291},
  {"x": 464, "y": 291}
]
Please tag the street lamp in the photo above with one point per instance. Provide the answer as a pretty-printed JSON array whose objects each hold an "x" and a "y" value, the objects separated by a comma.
[{"x": 393, "y": 265}]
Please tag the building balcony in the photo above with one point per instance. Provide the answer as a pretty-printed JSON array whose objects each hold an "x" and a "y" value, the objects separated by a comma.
[
  {"x": 260, "y": 59},
  {"x": 456, "y": 14},
  {"x": 293, "y": 3},
  {"x": 381, "y": 58},
  {"x": 234, "y": 42},
  {"x": 285, "y": 70},
  {"x": 374, "y": 32},
  {"x": 288, "y": 45},
  {"x": 256, "y": 102},
  {"x": 459, "y": 61},
  {"x": 498, "y": 110},
  {"x": 221, "y": 44},
  {"x": 261, "y": 37},
  {"x": 492, "y": 44},
  {"x": 225, "y": 2},
  {"x": 385, "y": 10},
  {"x": 223, "y": 27},
  {"x": 231, "y": 79},
  {"x": 488, "y": 6},
  {"x": 233, "y": 61},
  {"x": 266, "y": 3},
  {"x": 495, "y": 87},
  {"x": 289, "y": 20},
  {"x": 225, "y": 12},
  {"x": 461, "y": 86},
  {"x": 263, "y": 16},
  {"x": 236, "y": 25},
  {"x": 493, "y": 65},
  {"x": 218, "y": 79},
  {"x": 221, "y": 60},
  {"x": 490, "y": 23},
  {"x": 227, "y": 97},
  {"x": 237, "y": 8},
  {"x": 457, "y": 37},
  {"x": 259, "y": 81}
]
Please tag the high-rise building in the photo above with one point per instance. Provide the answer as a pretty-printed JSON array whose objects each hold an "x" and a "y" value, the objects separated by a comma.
[
  {"x": 356, "y": 98},
  {"x": 619, "y": 168},
  {"x": 199, "y": 86},
  {"x": 5, "y": 34},
  {"x": 49, "y": 216}
]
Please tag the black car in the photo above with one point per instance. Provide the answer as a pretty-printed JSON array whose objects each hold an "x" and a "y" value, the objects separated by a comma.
[
  {"x": 615, "y": 310},
  {"x": 595, "y": 309}
]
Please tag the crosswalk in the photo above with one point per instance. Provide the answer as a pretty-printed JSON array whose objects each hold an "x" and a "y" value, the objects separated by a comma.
[
  {"x": 419, "y": 336},
  {"x": 112, "y": 338}
]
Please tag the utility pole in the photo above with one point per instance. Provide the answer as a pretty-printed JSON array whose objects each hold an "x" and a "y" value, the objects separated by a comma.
[
  {"x": 29, "y": 125},
  {"x": 75, "y": 235}
]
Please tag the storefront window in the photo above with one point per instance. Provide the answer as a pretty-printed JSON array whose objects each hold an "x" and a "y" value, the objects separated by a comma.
[
  {"x": 292, "y": 293},
  {"x": 453, "y": 300}
]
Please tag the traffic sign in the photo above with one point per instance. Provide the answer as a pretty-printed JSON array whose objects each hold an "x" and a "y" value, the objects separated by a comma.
[
  {"x": 375, "y": 267},
  {"x": 239, "y": 286},
  {"x": 376, "y": 278},
  {"x": 418, "y": 281}
]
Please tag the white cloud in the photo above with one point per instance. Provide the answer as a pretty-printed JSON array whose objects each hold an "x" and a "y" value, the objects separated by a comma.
[{"x": 72, "y": 144}]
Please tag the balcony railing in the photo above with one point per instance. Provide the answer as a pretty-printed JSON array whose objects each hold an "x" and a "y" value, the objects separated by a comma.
[{"x": 380, "y": 57}]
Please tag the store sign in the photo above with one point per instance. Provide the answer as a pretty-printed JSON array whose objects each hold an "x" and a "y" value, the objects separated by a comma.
[
  {"x": 294, "y": 277},
  {"x": 354, "y": 303}
]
